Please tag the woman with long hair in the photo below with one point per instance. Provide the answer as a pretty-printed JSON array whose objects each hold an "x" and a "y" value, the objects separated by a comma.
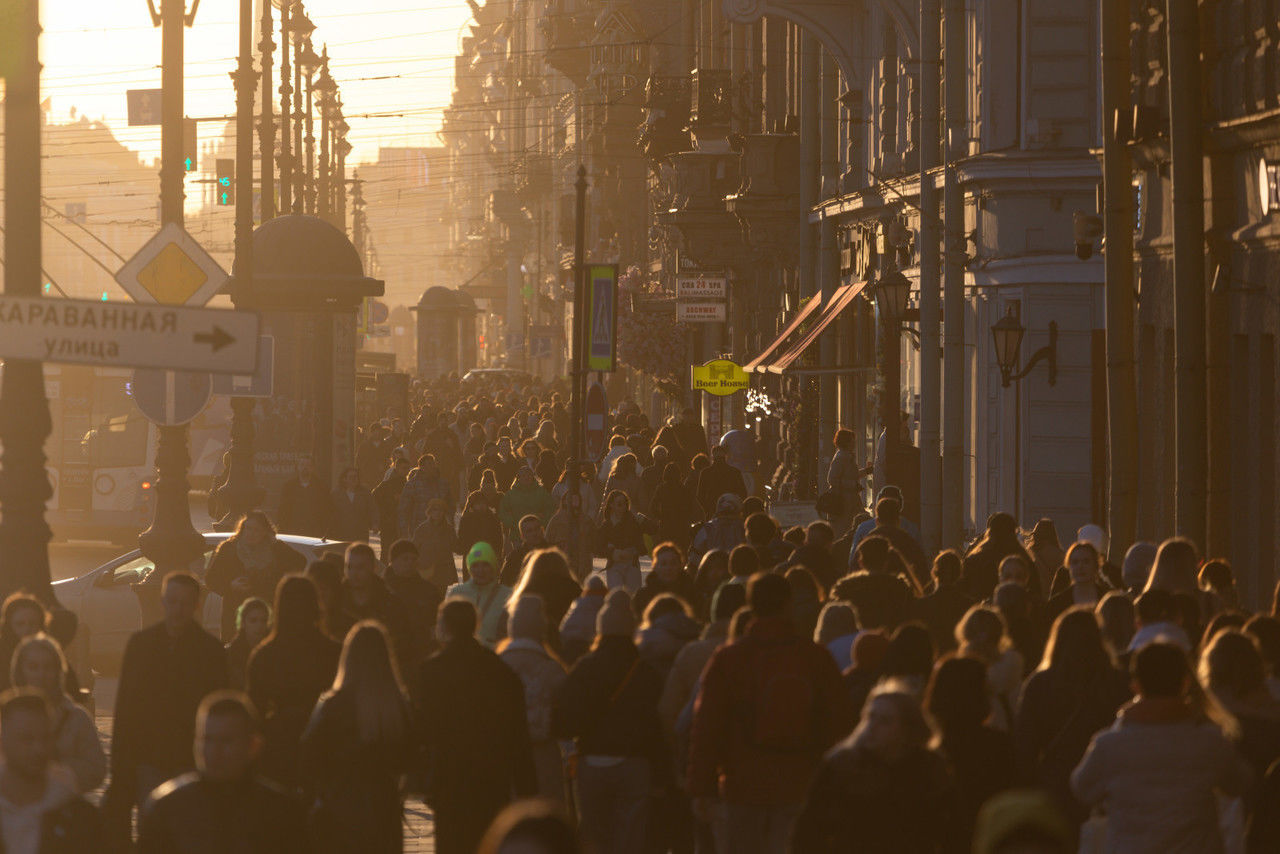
[
  {"x": 1233, "y": 673},
  {"x": 21, "y": 616},
  {"x": 666, "y": 576},
  {"x": 527, "y": 652},
  {"x": 620, "y": 541},
  {"x": 625, "y": 477},
  {"x": 546, "y": 574},
  {"x": 78, "y": 758},
  {"x": 1074, "y": 693},
  {"x": 1046, "y": 551},
  {"x": 287, "y": 673},
  {"x": 253, "y": 623},
  {"x": 572, "y": 531},
  {"x": 982, "y": 635},
  {"x": 1079, "y": 582},
  {"x": 249, "y": 563},
  {"x": 357, "y": 747}
]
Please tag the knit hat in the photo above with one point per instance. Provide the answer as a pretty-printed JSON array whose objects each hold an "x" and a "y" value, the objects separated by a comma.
[
  {"x": 1015, "y": 812},
  {"x": 728, "y": 503},
  {"x": 528, "y": 620},
  {"x": 482, "y": 553},
  {"x": 616, "y": 618},
  {"x": 1094, "y": 536}
]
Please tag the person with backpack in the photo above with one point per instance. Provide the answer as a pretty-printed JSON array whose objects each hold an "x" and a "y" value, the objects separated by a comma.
[{"x": 770, "y": 706}]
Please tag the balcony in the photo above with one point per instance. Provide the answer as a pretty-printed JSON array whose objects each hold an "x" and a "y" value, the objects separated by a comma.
[
  {"x": 709, "y": 234},
  {"x": 667, "y": 104},
  {"x": 767, "y": 201}
]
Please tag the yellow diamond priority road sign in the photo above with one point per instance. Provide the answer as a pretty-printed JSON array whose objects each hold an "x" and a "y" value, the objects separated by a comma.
[{"x": 172, "y": 269}]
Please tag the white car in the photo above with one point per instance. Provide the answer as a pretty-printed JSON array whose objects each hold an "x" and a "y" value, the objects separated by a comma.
[{"x": 108, "y": 608}]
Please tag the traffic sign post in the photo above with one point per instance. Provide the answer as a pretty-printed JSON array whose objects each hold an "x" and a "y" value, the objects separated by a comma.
[
  {"x": 170, "y": 398},
  {"x": 144, "y": 106},
  {"x": 173, "y": 269},
  {"x": 121, "y": 334}
]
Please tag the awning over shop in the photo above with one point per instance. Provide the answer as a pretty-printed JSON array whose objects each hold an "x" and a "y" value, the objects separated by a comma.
[
  {"x": 785, "y": 358},
  {"x": 759, "y": 362}
]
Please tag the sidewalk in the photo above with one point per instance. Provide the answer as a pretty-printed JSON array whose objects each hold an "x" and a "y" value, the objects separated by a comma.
[{"x": 418, "y": 836}]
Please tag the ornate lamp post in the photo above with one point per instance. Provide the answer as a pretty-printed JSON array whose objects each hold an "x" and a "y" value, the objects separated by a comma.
[
  {"x": 286, "y": 116},
  {"x": 309, "y": 61},
  {"x": 1007, "y": 334},
  {"x": 300, "y": 28},
  {"x": 267, "y": 126},
  {"x": 326, "y": 100}
]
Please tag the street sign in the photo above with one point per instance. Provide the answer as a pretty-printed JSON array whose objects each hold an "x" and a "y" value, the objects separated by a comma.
[
  {"x": 702, "y": 286},
  {"x": 700, "y": 312},
  {"x": 127, "y": 334},
  {"x": 172, "y": 269},
  {"x": 261, "y": 383},
  {"x": 602, "y": 317},
  {"x": 595, "y": 417},
  {"x": 720, "y": 377},
  {"x": 144, "y": 106},
  {"x": 170, "y": 398}
]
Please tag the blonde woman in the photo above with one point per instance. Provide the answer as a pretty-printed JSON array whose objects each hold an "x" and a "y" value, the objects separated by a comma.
[
  {"x": 981, "y": 634},
  {"x": 357, "y": 747},
  {"x": 78, "y": 758}
]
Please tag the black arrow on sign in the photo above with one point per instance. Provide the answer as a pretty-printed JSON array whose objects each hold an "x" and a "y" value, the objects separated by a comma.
[{"x": 217, "y": 339}]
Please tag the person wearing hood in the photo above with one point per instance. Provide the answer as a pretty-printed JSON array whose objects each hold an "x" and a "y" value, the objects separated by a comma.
[
  {"x": 572, "y": 531},
  {"x": 1046, "y": 552},
  {"x": 436, "y": 541},
  {"x": 666, "y": 576},
  {"x": 982, "y": 562},
  {"x": 769, "y": 707},
  {"x": 484, "y": 591},
  {"x": 668, "y": 625},
  {"x": 366, "y": 596},
  {"x": 723, "y": 531},
  {"x": 578, "y": 628},
  {"x": 609, "y": 706},
  {"x": 541, "y": 673},
  {"x": 1159, "y": 770}
]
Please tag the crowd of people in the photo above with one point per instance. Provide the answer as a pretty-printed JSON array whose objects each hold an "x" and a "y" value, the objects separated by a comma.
[{"x": 634, "y": 656}]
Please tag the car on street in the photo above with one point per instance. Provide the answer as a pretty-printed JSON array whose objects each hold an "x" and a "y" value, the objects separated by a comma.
[{"x": 108, "y": 607}]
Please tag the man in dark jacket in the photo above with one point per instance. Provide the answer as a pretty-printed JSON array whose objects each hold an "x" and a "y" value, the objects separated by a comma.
[
  {"x": 224, "y": 806},
  {"x": 717, "y": 479},
  {"x": 880, "y": 598},
  {"x": 365, "y": 596},
  {"x": 693, "y": 439},
  {"x": 889, "y": 525},
  {"x": 60, "y": 821},
  {"x": 386, "y": 497},
  {"x": 304, "y": 503},
  {"x": 770, "y": 706},
  {"x": 476, "y": 755},
  {"x": 982, "y": 563},
  {"x": 532, "y": 537},
  {"x": 168, "y": 669}
]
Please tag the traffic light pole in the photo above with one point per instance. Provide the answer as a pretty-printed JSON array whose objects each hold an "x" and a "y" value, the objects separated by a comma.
[
  {"x": 577, "y": 351},
  {"x": 171, "y": 542},
  {"x": 24, "y": 410},
  {"x": 240, "y": 493}
]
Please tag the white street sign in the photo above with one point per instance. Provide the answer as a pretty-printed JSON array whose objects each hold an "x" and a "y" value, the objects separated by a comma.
[
  {"x": 701, "y": 287},
  {"x": 126, "y": 334},
  {"x": 700, "y": 312},
  {"x": 172, "y": 269}
]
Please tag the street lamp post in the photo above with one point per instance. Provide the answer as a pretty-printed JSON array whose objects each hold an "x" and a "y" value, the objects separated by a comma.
[
  {"x": 328, "y": 92},
  {"x": 301, "y": 28},
  {"x": 309, "y": 62},
  {"x": 286, "y": 115},
  {"x": 267, "y": 127},
  {"x": 1007, "y": 334}
]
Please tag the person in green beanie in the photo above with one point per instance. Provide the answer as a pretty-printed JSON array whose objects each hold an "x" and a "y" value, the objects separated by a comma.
[{"x": 484, "y": 591}]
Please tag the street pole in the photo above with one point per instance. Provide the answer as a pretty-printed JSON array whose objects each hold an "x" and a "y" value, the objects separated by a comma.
[
  {"x": 1187, "y": 155},
  {"x": 240, "y": 494},
  {"x": 267, "y": 128},
  {"x": 310, "y": 139},
  {"x": 1122, "y": 392},
  {"x": 577, "y": 351},
  {"x": 171, "y": 542},
  {"x": 286, "y": 118},
  {"x": 953, "y": 299},
  {"x": 930, "y": 280},
  {"x": 25, "y": 422}
]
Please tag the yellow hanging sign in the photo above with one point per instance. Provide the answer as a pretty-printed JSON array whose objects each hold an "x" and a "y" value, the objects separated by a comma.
[{"x": 719, "y": 377}]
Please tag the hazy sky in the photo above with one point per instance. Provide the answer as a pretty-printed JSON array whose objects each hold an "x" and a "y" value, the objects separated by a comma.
[{"x": 94, "y": 50}]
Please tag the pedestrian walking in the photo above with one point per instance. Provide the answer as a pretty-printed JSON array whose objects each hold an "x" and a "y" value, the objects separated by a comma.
[
  {"x": 666, "y": 575},
  {"x": 168, "y": 668},
  {"x": 880, "y": 595},
  {"x": 354, "y": 513},
  {"x": 770, "y": 706},
  {"x": 253, "y": 624},
  {"x": 356, "y": 748},
  {"x": 724, "y": 531},
  {"x": 675, "y": 509},
  {"x": 423, "y": 484},
  {"x": 22, "y": 616},
  {"x": 620, "y": 541},
  {"x": 484, "y": 591},
  {"x": 844, "y": 480},
  {"x": 436, "y": 542},
  {"x": 474, "y": 751},
  {"x": 224, "y": 805},
  {"x": 717, "y": 479},
  {"x": 250, "y": 563},
  {"x": 419, "y": 601},
  {"x": 578, "y": 628},
  {"x": 982, "y": 562},
  {"x": 533, "y": 536},
  {"x": 1079, "y": 582},
  {"x": 386, "y": 497},
  {"x": 78, "y": 760},
  {"x": 572, "y": 531},
  {"x": 609, "y": 706},
  {"x": 546, "y": 575},
  {"x": 541, "y": 672},
  {"x": 479, "y": 523},
  {"x": 981, "y": 635},
  {"x": 304, "y": 502}
]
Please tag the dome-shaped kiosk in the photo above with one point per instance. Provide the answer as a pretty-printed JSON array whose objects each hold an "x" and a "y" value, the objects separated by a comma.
[{"x": 446, "y": 332}]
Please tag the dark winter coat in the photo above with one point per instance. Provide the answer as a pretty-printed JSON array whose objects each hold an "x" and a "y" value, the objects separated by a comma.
[
  {"x": 652, "y": 588},
  {"x": 817, "y": 560},
  {"x": 720, "y": 532},
  {"x": 677, "y": 510},
  {"x": 162, "y": 681},
  {"x": 386, "y": 496},
  {"x": 286, "y": 677},
  {"x": 226, "y": 567},
  {"x": 981, "y": 761},
  {"x": 479, "y": 525},
  {"x": 940, "y": 611},
  {"x": 858, "y": 802},
  {"x": 732, "y": 752},
  {"x": 191, "y": 815},
  {"x": 609, "y": 704},
  {"x": 716, "y": 480},
  {"x": 353, "y": 516},
  {"x": 420, "y": 601},
  {"x": 661, "y": 642},
  {"x": 436, "y": 544},
  {"x": 906, "y": 545},
  {"x": 304, "y": 510},
  {"x": 881, "y": 600},
  {"x": 982, "y": 568},
  {"x": 475, "y": 754},
  {"x": 419, "y": 491},
  {"x": 357, "y": 804},
  {"x": 381, "y": 606}
]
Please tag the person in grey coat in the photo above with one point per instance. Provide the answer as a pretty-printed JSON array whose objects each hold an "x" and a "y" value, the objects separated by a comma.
[{"x": 1157, "y": 772}]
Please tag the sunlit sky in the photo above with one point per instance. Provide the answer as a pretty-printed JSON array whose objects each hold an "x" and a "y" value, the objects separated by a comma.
[{"x": 391, "y": 56}]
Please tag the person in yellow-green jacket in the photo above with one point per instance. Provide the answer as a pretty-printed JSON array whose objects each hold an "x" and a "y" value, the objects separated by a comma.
[{"x": 485, "y": 591}]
